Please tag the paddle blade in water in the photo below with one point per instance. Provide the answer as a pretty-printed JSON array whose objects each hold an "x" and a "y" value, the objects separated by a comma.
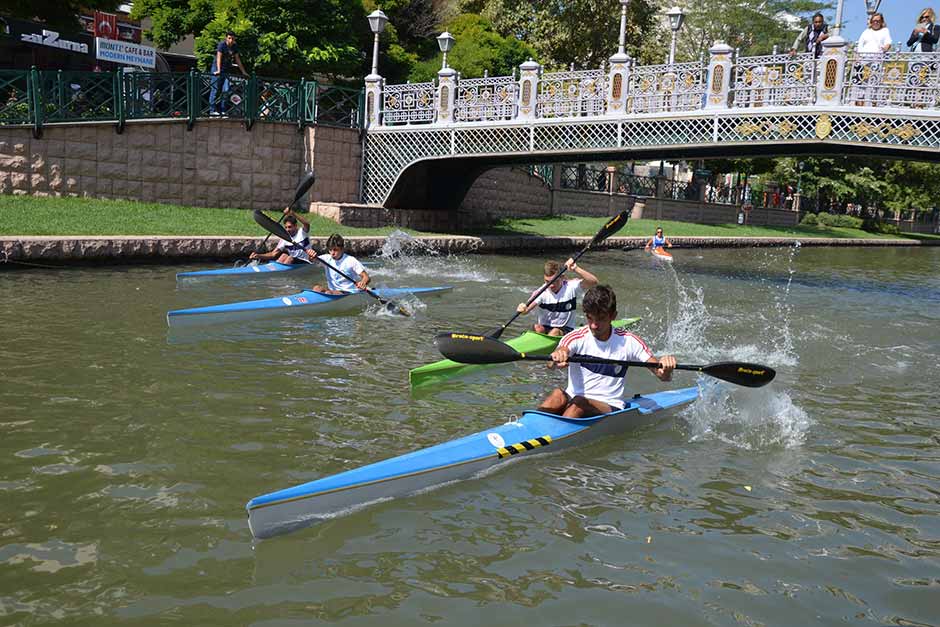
[
  {"x": 474, "y": 349},
  {"x": 741, "y": 373}
]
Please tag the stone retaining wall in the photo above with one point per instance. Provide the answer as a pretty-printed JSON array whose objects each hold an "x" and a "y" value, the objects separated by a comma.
[
  {"x": 710, "y": 213},
  {"x": 54, "y": 250}
]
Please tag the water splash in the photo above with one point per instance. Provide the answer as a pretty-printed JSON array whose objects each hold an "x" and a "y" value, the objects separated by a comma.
[
  {"x": 743, "y": 417},
  {"x": 407, "y": 256}
]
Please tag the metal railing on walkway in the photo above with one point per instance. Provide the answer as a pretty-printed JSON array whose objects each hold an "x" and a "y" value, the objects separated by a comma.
[{"x": 38, "y": 97}]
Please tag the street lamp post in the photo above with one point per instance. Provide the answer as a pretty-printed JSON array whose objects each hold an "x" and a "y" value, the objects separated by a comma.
[
  {"x": 445, "y": 41},
  {"x": 623, "y": 26},
  {"x": 676, "y": 17},
  {"x": 377, "y": 22}
]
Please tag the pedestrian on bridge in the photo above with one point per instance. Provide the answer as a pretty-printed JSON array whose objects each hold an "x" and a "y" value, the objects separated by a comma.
[
  {"x": 225, "y": 61},
  {"x": 926, "y": 33},
  {"x": 810, "y": 38}
]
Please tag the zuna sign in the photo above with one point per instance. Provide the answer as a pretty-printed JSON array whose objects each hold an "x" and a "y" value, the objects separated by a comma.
[{"x": 51, "y": 39}]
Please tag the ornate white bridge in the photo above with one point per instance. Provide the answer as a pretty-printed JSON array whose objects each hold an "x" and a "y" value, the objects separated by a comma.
[{"x": 426, "y": 143}]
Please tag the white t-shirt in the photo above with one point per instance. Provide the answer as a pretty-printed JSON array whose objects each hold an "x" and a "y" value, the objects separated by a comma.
[
  {"x": 873, "y": 40},
  {"x": 348, "y": 265},
  {"x": 558, "y": 310},
  {"x": 602, "y": 382},
  {"x": 300, "y": 245}
]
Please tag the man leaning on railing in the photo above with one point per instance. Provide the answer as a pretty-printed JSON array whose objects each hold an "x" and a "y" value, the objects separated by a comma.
[{"x": 226, "y": 58}]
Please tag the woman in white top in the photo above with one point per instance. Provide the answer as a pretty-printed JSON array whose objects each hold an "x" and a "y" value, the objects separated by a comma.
[{"x": 876, "y": 38}]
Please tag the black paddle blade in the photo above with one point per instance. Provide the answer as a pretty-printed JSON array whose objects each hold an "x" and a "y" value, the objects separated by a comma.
[
  {"x": 474, "y": 349},
  {"x": 305, "y": 184},
  {"x": 741, "y": 373},
  {"x": 613, "y": 225},
  {"x": 271, "y": 226}
]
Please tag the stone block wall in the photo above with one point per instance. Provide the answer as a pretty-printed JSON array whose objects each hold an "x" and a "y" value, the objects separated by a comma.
[
  {"x": 708, "y": 213},
  {"x": 336, "y": 156},
  {"x": 217, "y": 164},
  {"x": 505, "y": 193},
  {"x": 375, "y": 216}
]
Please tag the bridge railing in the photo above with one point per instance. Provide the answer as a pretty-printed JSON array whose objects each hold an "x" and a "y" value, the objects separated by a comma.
[
  {"x": 38, "y": 97},
  {"x": 778, "y": 80},
  {"x": 677, "y": 87},
  {"x": 895, "y": 79},
  {"x": 488, "y": 98}
]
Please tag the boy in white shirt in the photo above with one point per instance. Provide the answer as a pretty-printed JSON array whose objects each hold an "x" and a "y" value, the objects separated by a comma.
[
  {"x": 595, "y": 389},
  {"x": 294, "y": 251},
  {"x": 347, "y": 264},
  {"x": 558, "y": 303}
]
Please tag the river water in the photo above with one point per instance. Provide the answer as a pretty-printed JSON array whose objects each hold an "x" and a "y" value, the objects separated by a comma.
[{"x": 127, "y": 453}]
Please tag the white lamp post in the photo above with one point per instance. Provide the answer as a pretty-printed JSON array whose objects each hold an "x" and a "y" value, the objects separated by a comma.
[
  {"x": 623, "y": 25},
  {"x": 445, "y": 41},
  {"x": 676, "y": 16},
  {"x": 377, "y": 22}
]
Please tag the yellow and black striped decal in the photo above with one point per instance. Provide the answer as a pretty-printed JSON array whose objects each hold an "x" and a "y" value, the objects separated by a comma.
[{"x": 528, "y": 445}]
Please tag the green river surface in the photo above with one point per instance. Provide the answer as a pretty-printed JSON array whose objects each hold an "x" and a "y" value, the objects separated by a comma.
[{"x": 127, "y": 453}]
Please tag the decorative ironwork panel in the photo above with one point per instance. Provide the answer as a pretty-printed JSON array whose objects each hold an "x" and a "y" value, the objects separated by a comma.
[
  {"x": 387, "y": 154},
  {"x": 222, "y": 93},
  {"x": 778, "y": 80},
  {"x": 572, "y": 94},
  {"x": 412, "y": 103},
  {"x": 338, "y": 106},
  {"x": 575, "y": 136},
  {"x": 277, "y": 100},
  {"x": 482, "y": 140},
  {"x": 71, "y": 96},
  {"x": 627, "y": 183},
  {"x": 543, "y": 171},
  {"x": 584, "y": 176},
  {"x": 893, "y": 79},
  {"x": 680, "y": 190},
  {"x": 156, "y": 95},
  {"x": 486, "y": 99},
  {"x": 886, "y": 130},
  {"x": 668, "y": 132},
  {"x": 14, "y": 97},
  {"x": 766, "y": 128},
  {"x": 677, "y": 87}
]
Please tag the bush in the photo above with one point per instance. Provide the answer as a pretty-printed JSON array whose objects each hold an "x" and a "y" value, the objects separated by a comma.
[
  {"x": 809, "y": 220},
  {"x": 876, "y": 226},
  {"x": 839, "y": 220}
]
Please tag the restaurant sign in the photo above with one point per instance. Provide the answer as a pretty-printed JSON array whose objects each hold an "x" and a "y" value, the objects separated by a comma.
[
  {"x": 51, "y": 39},
  {"x": 125, "y": 52}
]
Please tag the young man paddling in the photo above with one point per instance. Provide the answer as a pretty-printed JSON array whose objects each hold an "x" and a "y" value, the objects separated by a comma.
[
  {"x": 595, "y": 389},
  {"x": 557, "y": 304},
  {"x": 295, "y": 251},
  {"x": 347, "y": 264}
]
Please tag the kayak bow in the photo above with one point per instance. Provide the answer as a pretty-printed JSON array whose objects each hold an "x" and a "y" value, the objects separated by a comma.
[
  {"x": 535, "y": 432},
  {"x": 248, "y": 270},
  {"x": 307, "y": 302},
  {"x": 529, "y": 342}
]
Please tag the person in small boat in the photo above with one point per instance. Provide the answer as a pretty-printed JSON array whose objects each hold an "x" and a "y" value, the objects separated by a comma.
[
  {"x": 658, "y": 240},
  {"x": 558, "y": 303},
  {"x": 294, "y": 252},
  {"x": 595, "y": 389},
  {"x": 337, "y": 257}
]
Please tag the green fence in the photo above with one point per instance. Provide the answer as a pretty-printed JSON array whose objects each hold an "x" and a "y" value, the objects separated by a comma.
[{"x": 34, "y": 97}]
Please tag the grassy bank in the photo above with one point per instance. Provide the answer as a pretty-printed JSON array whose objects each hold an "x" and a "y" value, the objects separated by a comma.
[{"x": 27, "y": 215}]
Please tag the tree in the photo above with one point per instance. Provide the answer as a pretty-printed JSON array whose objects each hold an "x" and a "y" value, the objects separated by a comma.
[
  {"x": 751, "y": 26},
  {"x": 582, "y": 32},
  {"x": 478, "y": 48},
  {"x": 59, "y": 15}
]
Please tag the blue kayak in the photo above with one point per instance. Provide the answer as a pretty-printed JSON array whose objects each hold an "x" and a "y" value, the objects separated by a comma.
[
  {"x": 535, "y": 432},
  {"x": 248, "y": 270},
  {"x": 307, "y": 302}
]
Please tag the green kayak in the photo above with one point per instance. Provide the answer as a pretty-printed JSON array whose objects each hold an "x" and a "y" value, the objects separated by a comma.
[{"x": 529, "y": 342}]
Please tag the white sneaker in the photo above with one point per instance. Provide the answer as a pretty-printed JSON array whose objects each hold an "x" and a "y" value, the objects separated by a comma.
[{"x": 214, "y": 114}]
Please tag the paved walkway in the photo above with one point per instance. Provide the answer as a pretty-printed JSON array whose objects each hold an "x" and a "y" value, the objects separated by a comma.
[{"x": 174, "y": 249}]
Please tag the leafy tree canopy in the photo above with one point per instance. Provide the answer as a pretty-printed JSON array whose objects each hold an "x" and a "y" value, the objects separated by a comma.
[{"x": 479, "y": 48}]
